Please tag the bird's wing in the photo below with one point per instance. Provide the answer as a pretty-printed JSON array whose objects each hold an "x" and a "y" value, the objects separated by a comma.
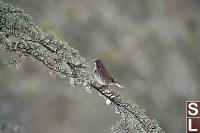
[{"x": 107, "y": 75}]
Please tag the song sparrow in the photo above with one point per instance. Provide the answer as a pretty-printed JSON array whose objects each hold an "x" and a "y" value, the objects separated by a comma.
[{"x": 102, "y": 76}]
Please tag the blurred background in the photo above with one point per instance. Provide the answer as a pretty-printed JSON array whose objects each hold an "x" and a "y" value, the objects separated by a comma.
[{"x": 149, "y": 46}]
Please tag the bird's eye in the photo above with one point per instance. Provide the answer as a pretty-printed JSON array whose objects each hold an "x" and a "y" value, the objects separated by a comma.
[{"x": 98, "y": 61}]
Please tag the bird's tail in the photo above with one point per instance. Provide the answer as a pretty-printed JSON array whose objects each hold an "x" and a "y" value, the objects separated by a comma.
[{"x": 117, "y": 84}]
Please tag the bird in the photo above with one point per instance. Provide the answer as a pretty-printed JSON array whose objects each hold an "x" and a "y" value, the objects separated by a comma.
[{"x": 102, "y": 76}]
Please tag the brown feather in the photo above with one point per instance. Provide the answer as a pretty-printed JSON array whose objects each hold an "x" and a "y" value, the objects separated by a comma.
[{"x": 102, "y": 75}]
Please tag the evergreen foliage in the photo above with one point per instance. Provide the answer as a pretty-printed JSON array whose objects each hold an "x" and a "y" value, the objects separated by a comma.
[{"x": 18, "y": 34}]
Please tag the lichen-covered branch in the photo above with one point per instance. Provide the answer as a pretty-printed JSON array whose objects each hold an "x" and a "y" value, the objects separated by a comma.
[{"x": 18, "y": 34}]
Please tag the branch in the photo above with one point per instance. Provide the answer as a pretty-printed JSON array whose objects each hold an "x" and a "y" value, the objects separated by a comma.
[{"x": 18, "y": 34}]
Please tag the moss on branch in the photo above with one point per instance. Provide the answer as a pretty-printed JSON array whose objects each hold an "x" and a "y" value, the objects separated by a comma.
[{"x": 18, "y": 34}]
